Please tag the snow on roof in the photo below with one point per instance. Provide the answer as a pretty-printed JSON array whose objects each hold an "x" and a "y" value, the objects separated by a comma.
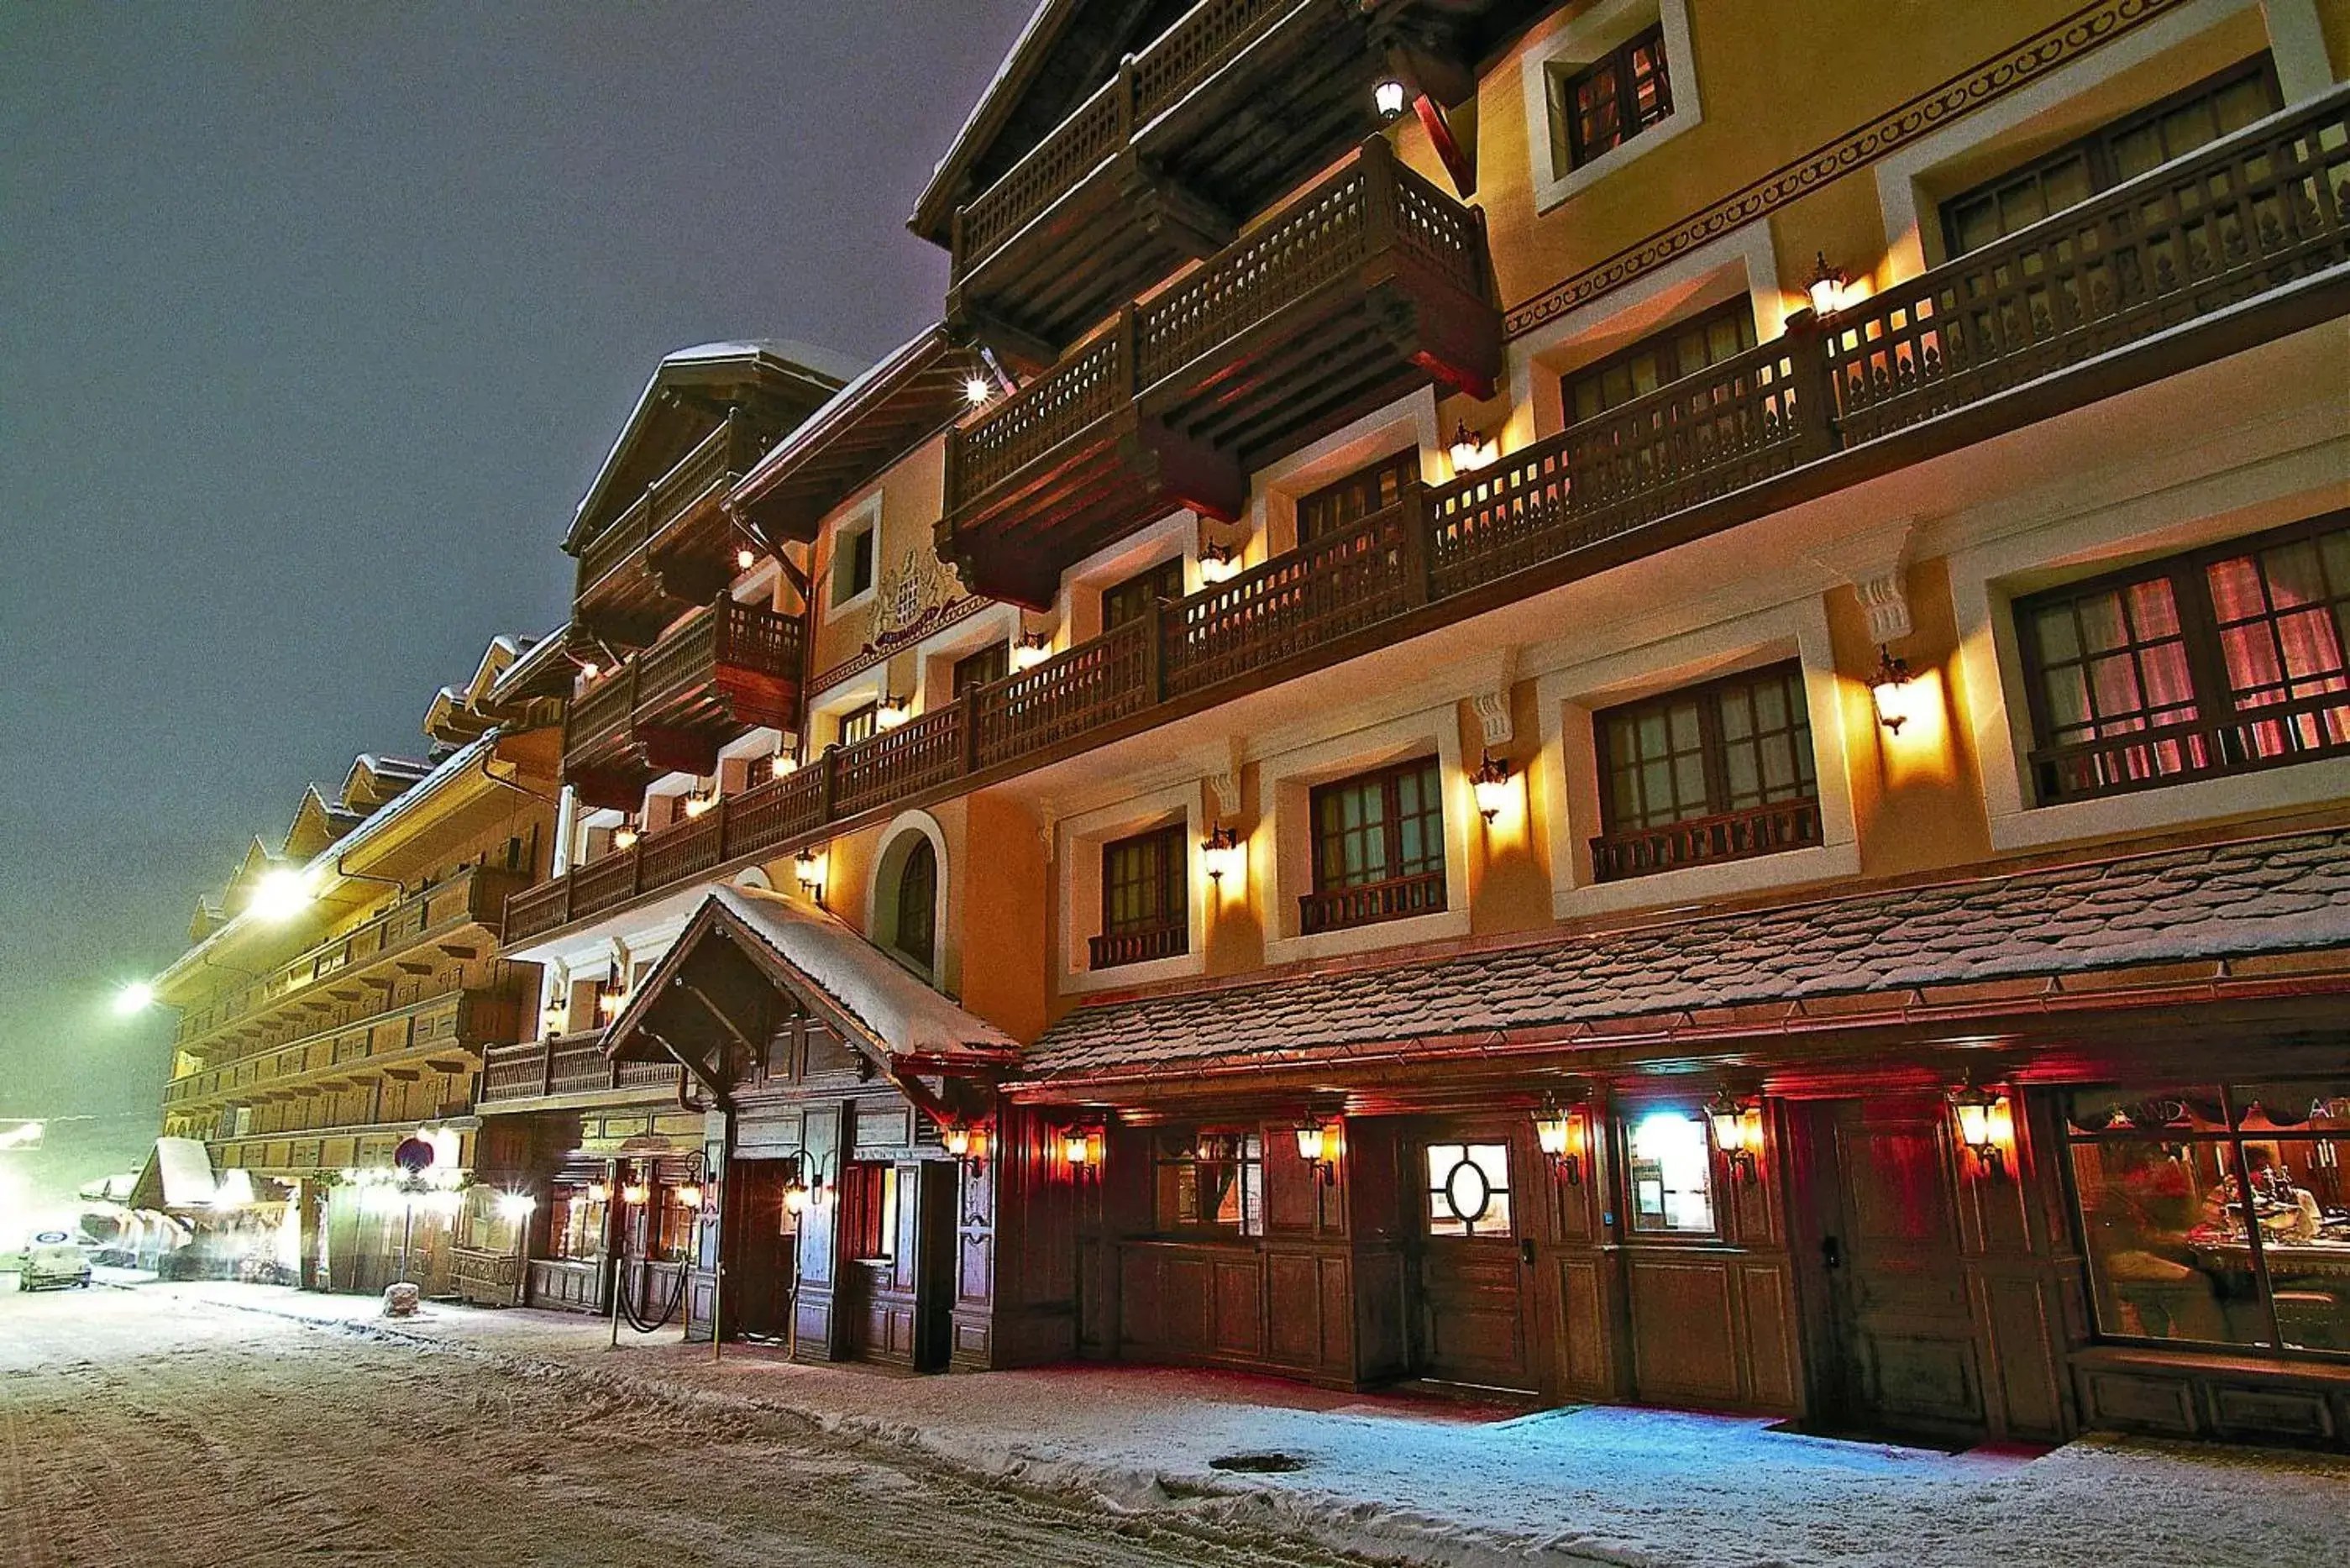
[
  {"x": 841, "y": 409},
  {"x": 1029, "y": 31},
  {"x": 903, "y": 1015},
  {"x": 178, "y": 1175},
  {"x": 791, "y": 350},
  {"x": 2276, "y": 895}
]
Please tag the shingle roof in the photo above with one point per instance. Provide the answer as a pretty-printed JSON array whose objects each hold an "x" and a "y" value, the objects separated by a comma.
[{"x": 2262, "y": 895}]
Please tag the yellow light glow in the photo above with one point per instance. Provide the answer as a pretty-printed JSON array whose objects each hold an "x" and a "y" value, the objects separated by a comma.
[
  {"x": 689, "y": 1196},
  {"x": 280, "y": 894},
  {"x": 783, "y": 765},
  {"x": 634, "y": 1193},
  {"x": 1310, "y": 1140},
  {"x": 1219, "y": 563},
  {"x": 745, "y": 559},
  {"x": 599, "y": 1192},
  {"x": 1387, "y": 95},
  {"x": 891, "y": 711},
  {"x": 515, "y": 1205},
  {"x": 624, "y": 838},
  {"x": 976, "y": 391},
  {"x": 1223, "y": 854},
  {"x": 1029, "y": 653}
]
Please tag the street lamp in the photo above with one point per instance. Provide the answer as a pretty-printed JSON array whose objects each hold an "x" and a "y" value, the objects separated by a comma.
[
  {"x": 136, "y": 997},
  {"x": 280, "y": 894}
]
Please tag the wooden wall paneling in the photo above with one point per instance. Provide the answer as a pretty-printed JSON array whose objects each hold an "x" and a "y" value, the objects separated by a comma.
[
  {"x": 2025, "y": 1376},
  {"x": 1293, "y": 1196},
  {"x": 1766, "y": 1310},
  {"x": 1381, "y": 1349},
  {"x": 1684, "y": 1339},
  {"x": 1584, "y": 1351},
  {"x": 817, "y": 1324},
  {"x": 1239, "y": 1306},
  {"x": 1295, "y": 1331}
]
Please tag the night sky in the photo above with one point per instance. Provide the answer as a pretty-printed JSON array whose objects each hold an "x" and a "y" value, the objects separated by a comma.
[{"x": 314, "y": 324}]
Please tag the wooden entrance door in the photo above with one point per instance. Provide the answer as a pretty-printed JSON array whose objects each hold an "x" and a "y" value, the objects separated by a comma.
[
  {"x": 1474, "y": 1259},
  {"x": 1898, "y": 1348},
  {"x": 760, "y": 1246}
]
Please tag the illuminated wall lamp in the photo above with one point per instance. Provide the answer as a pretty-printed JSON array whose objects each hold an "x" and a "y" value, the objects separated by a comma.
[
  {"x": 1470, "y": 451},
  {"x": 1081, "y": 1150},
  {"x": 1558, "y": 1133},
  {"x": 1986, "y": 1125},
  {"x": 891, "y": 711},
  {"x": 624, "y": 838},
  {"x": 1890, "y": 689},
  {"x": 699, "y": 801},
  {"x": 634, "y": 1193},
  {"x": 1219, "y": 563},
  {"x": 744, "y": 559},
  {"x": 1221, "y": 854},
  {"x": 1490, "y": 783},
  {"x": 1030, "y": 651},
  {"x": 976, "y": 391},
  {"x": 966, "y": 1142},
  {"x": 808, "y": 866},
  {"x": 783, "y": 765},
  {"x": 687, "y": 1195},
  {"x": 1319, "y": 1150},
  {"x": 1389, "y": 96},
  {"x": 1826, "y": 286},
  {"x": 1737, "y": 1131}
]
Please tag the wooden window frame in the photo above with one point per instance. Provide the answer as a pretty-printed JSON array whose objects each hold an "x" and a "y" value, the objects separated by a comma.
[
  {"x": 965, "y": 674},
  {"x": 922, "y": 851},
  {"x": 2096, "y": 148},
  {"x": 866, "y": 716},
  {"x": 1335, "y": 905},
  {"x": 856, "y": 564},
  {"x": 1246, "y": 1161},
  {"x": 1167, "y": 930},
  {"x": 1161, "y": 580},
  {"x": 2217, "y": 712},
  {"x": 1618, "y": 64},
  {"x": 1318, "y": 510},
  {"x": 1662, "y": 344}
]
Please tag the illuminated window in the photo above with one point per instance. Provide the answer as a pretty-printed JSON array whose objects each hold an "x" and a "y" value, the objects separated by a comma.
[
  {"x": 860, "y": 723},
  {"x": 1596, "y": 107},
  {"x": 1212, "y": 1181},
  {"x": 575, "y": 1225},
  {"x": 1372, "y": 488},
  {"x": 1682, "y": 348},
  {"x": 869, "y": 1201},
  {"x": 1379, "y": 847},
  {"x": 1468, "y": 1189},
  {"x": 1672, "y": 1174}
]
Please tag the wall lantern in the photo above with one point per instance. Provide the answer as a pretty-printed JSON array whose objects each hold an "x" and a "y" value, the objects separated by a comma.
[
  {"x": 966, "y": 1142},
  {"x": 1490, "y": 783},
  {"x": 590, "y": 668},
  {"x": 634, "y": 1193},
  {"x": 1558, "y": 1132},
  {"x": 610, "y": 997},
  {"x": 699, "y": 801},
  {"x": 1219, "y": 563},
  {"x": 1470, "y": 451},
  {"x": 1081, "y": 1150},
  {"x": 1826, "y": 286},
  {"x": 687, "y": 1195},
  {"x": 1221, "y": 854},
  {"x": 515, "y": 1207},
  {"x": 1389, "y": 95},
  {"x": 550, "y": 1018},
  {"x": 599, "y": 1192},
  {"x": 624, "y": 838},
  {"x": 891, "y": 711},
  {"x": 1319, "y": 1149},
  {"x": 783, "y": 765},
  {"x": 1029, "y": 651},
  {"x": 745, "y": 558},
  {"x": 808, "y": 865},
  {"x": 976, "y": 391},
  {"x": 1890, "y": 688},
  {"x": 800, "y": 1193},
  {"x": 1986, "y": 1125},
  {"x": 1737, "y": 1131}
]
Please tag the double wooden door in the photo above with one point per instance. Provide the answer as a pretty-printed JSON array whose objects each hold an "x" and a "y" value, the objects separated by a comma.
[
  {"x": 1474, "y": 1259},
  {"x": 1896, "y": 1348}
]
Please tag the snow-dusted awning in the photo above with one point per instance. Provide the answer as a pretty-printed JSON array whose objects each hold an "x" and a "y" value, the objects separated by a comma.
[{"x": 178, "y": 1175}]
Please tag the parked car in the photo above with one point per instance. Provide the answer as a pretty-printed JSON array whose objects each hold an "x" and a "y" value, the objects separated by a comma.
[{"x": 52, "y": 1259}]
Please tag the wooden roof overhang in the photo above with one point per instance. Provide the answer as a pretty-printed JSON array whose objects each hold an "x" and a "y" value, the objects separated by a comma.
[
  {"x": 900, "y": 402},
  {"x": 1369, "y": 286},
  {"x": 676, "y": 543},
  {"x": 2142, "y": 1022}
]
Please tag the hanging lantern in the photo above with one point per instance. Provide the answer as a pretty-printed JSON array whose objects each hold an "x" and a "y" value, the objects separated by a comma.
[
  {"x": 1558, "y": 1133},
  {"x": 1221, "y": 854},
  {"x": 1490, "y": 783},
  {"x": 687, "y": 1195},
  {"x": 1387, "y": 95},
  {"x": 1470, "y": 451},
  {"x": 1737, "y": 1131},
  {"x": 1826, "y": 286},
  {"x": 1219, "y": 563},
  {"x": 1891, "y": 691}
]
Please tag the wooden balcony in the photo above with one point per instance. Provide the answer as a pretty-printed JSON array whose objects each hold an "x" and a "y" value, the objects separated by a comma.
[
  {"x": 1369, "y": 285},
  {"x": 1829, "y": 404},
  {"x": 2249, "y": 740},
  {"x": 354, "y": 969},
  {"x": 1397, "y": 899},
  {"x": 728, "y": 668},
  {"x": 673, "y": 546},
  {"x": 440, "y": 1034},
  {"x": 1115, "y": 949},
  {"x": 1704, "y": 840},
  {"x": 565, "y": 1065}
]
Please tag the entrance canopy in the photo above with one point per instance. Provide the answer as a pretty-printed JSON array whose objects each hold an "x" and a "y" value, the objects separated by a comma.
[
  {"x": 751, "y": 962},
  {"x": 2260, "y": 926}
]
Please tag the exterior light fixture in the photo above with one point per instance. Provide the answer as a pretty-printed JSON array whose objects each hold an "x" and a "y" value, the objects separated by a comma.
[
  {"x": 783, "y": 765},
  {"x": 809, "y": 866},
  {"x": 1319, "y": 1150},
  {"x": 796, "y": 1196},
  {"x": 1470, "y": 451},
  {"x": 891, "y": 711},
  {"x": 280, "y": 894},
  {"x": 1890, "y": 690},
  {"x": 550, "y": 1018},
  {"x": 1826, "y": 286},
  {"x": 599, "y": 1192},
  {"x": 515, "y": 1207},
  {"x": 1986, "y": 1125},
  {"x": 1558, "y": 1132},
  {"x": 976, "y": 391},
  {"x": 1221, "y": 854},
  {"x": 1389, "y": 95},
  {"x": 699, "y": 801},
  {"x": 136, "y": 997},
  {"x": 1737, "y": 1131},
  {"x": 1490, "y": 783},
  {"x": 1081, "y": 1150},
  {"x": 1029, "y": 651},
  {"x": 611, "y": 995},
  {"x": 1219, "y": 563},
  {"x": 966, "y": 1142},
  {"x": 687, "y": 1195},
  {"x": 634, "y": 1193},
  {"x": 624, "y": 838},
  {"x": 590, "y": 668},
  {"x": 745, "y": 558}
]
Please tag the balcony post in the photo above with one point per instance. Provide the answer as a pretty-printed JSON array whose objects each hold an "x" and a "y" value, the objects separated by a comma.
[
  {"x": 1126, "y": 104},
  {"x": 1378, "y": 194},
  {"x": 830, "y": 761},
  {"x": 1413, "y": 557},
  {"x": 1154, "y": 652},
  {"x": 1813, "y": 383},
  {"x": 969, "y": 722},
  {"x": 1128, "y": 349}
]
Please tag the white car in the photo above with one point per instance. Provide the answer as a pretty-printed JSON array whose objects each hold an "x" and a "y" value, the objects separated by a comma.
[{"x": 51, "y": 1258}]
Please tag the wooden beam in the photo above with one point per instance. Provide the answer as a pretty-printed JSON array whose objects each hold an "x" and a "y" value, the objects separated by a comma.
[{"x": 695, "y": 1069}]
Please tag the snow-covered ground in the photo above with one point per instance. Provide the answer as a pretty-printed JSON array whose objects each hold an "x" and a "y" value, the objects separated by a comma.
[{"x": 1393, "y": 1478}]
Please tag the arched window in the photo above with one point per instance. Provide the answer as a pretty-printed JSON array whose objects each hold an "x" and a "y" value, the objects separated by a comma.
[{"x": 916, "y": 935}]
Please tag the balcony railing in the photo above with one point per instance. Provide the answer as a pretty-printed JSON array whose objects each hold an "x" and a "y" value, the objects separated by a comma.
[
  {"x": 1111, "y": 950},
  {"x": 1576, "y": 503},
  {"x": 725, "y": 668},
  {"x": 2252, "y": 739},
  {"x": 1397, "y": 899},
  {"x": 452, "y": 1024},
  {"x": 476, "y": 895},
  {"x": 658, "y": 520},
  {"x": 1703, "y": 840},
  {"x": 567, "y": 1064}
]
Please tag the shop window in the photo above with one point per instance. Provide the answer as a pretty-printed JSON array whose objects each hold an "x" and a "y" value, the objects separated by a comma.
[
  {"x": 1468, "y": 1189},
  {"x": 2225, "y": 660},
  {"x": 852, "y": 564},
  {"x": 1379, "y": 847},
  {"x": 669, "y": 1227},
  {"x": 1662, "y": 357},
  {"x": 1131, "y": 599},
  {"x": 2218, "y": 1216},
  {"x": 860, "y": 723},
  {"x": 1672, "y": 1171},
  {"x": 1210, "y": 1181},
  {"x": 1374, "y": 487},
  {"x": 915, "y": 935},
  {"x": 869, "y": 1211},
  {"x": 990, "y": 664},
  {"x": 1146, "y": 910},
  {"x": 1596, "y": 107},
  {"x": 2104, "y": 157},
  {"x": 1718, "y": 772},
  {"x": 575, "y": 1225}
]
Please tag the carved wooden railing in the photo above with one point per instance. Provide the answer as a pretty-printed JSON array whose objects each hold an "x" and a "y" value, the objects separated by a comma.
[
  {"x": 1700, "y": 840},
  {"x": 717, "y": 462},
  {"x": 564, "y": 1064},
  {"x": 725, "y": 634},
  {"x": 1111, "y": 950},
  {"x": 1394, "y": 899},
  {"x": 1091, "y": 383},
  {"x": 2251, "y": 738},
  {"x": 463, "y": 1018},
  {"x": 1804, "y": 396},
  {"x": 1199, "y": 44}
]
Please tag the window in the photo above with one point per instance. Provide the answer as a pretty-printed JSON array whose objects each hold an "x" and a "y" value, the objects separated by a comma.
[
  {"x": 2104, "y": 157},
  {"x": 915, "y": 936},
  {"x": 1468, "y": 1189},
  {"x": 2224, "y": 660},
  {"x": 860, "y": 723},
  {"x": 1131, "y": 599},
  {"x": 1716, "y": 771},
  {"x": 669, "y": 1225},
  {"x": 993, "y": 662},
  {"x": 1379, "y": 847},
  {"x": 575, "y": 1223},
  {"x": 1212, "y": 1181},
  {"x": 1683, "y": 348},
  {"x": 1372, "y": 488},
  {"x": 1671, "y": 1172},
  {"x": 852, "y": 564},
  {"x": 1598, "y": 107},
  {"x": 1145, "y": 909},
  {"x": 2217, "y": 1215},
  {"x": 869, "y": 1209}
]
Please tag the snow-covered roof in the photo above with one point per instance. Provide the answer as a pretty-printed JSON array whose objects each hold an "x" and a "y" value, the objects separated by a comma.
[{"x": 178, "y": 1175}]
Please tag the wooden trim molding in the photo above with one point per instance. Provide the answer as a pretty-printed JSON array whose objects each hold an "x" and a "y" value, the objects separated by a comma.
[{"x": 1983, "y": 83}]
